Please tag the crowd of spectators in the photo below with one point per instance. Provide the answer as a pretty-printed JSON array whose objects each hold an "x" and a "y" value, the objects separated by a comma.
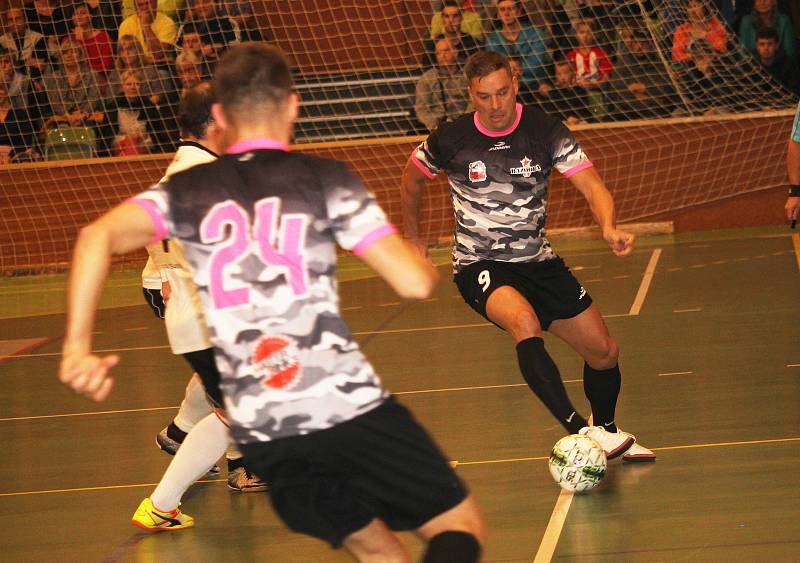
[
  {"x": 599, "y": 60},
  {"x": 118, "y": 67},
  {"x": 114, "y": 68}
]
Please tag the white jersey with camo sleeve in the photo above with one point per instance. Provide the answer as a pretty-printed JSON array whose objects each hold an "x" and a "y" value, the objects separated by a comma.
[
  {"x": 259, "y": 229},
  {"x": 498, "y": 182}
]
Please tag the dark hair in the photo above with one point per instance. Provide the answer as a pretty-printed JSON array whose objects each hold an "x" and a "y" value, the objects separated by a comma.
[
  {"x": 767, "y": 33},
  {"x": 194, "y": 112},
  {"x": 451, "y": 4},
  {"x": 251, "y": 75},
  {"x": 484, "y": 63}
]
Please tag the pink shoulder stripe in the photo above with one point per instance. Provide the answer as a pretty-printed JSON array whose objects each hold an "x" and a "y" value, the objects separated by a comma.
[
  {"x": 155, "y": 216},
  {"x": 421, "y": 166},
  {"x": 372, "y": 238},
  {"x": 575, "y": 169}
]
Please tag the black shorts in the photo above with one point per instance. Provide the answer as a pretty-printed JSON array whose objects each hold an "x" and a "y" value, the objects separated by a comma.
[
  {"x": 549, "y": 287},
  {"x": 333, "y": 482},
  {"x": 155, "y": 301},
  {"x": 203, "y": 363}
]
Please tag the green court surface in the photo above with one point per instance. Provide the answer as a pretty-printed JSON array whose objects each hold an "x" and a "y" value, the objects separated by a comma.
[{"x": 708, "y": 327}]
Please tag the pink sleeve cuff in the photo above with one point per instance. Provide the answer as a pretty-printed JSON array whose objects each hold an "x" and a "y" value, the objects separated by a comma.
[
  {"x": 422, "y": 167},
  {"x": 159, "y": 224},
  {"x": 575, "y": 169},
  {"x": 372, "y": 238}
]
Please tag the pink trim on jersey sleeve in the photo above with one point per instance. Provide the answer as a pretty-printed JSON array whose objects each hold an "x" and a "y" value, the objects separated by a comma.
[
  {"x": 421, "y": 166},
  {"x": 372, "y": 238},
  {"x": 575, "y": 169},
  {"x": 255, "y": 144},
  {"x": 490, "y": 133},
  {"x": 155, "y": 216}
]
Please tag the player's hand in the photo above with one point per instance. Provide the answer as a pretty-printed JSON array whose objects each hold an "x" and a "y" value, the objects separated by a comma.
[
  {"x": 621, "y": 242},
  {"x": 87, "y": 374},
  {"x": 792, "y": 208},
  {"x": 166, "y": 291}
]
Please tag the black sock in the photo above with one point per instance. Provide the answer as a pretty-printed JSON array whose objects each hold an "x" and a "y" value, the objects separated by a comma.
[
  {"x": 234, "y": 464},
  {"x": 602, "y": 389},
  {"x": 452, "y": 547},
  {"x": 541, "y": 375},
  {"x": 175, "y": 433}
]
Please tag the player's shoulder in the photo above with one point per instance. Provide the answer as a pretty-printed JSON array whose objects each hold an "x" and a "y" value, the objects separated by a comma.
[
  {"x": 533, "y": 116},
  {"x": 451, "y": 135}
]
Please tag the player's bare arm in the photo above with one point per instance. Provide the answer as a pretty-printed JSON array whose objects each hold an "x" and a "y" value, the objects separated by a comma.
[
  {"x": 793, "y": 168},
  {"x": 412, "y": 183},
  {"x": 404, "y": 269},
  {"x": 122, "y": 230},
  {"x": 601, "y": 203}
]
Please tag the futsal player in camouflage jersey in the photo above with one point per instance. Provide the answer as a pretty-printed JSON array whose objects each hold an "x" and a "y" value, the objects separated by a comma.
[
  {"x": 793, "y": 165},
  {"x": 498, "y": 161},
  {"x": 345, "y": 461}
]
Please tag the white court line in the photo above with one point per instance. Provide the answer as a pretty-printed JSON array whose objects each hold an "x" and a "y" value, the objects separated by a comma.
[
  {"x": 676, "y": 373},
  {"x": 694, "y": 310},
  {"x": 553, "y": 531},
  {"x": 147, "y": 409},
  {"x": 645, "y": 285}
]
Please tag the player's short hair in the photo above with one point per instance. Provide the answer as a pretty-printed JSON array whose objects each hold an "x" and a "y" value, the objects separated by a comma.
[
  {"x": 767, "y": 33},
  {"x": 484, "y": 63},
  {"x": 194, "y": 111},
  {"x": 451, "y": 4},
  {"x": 252, "y": 75}
]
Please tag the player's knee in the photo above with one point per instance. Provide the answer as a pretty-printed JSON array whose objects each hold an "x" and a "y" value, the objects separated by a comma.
[
  {"x": 523, "y": 325},
  {"x": 453, "y": 547},
  {"x": 606, "y": 355}
]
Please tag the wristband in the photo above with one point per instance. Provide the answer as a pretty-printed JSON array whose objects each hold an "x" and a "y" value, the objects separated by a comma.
[{"x": 794, "y": 190}]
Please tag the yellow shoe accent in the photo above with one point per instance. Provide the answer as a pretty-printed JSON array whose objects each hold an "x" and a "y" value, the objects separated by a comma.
[{"x": 148, "y": 518}]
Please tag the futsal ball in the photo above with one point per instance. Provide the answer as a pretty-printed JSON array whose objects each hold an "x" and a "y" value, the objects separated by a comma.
[{"x": 577, "y": 463}]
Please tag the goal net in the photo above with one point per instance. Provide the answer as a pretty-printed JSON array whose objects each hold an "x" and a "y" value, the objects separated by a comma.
[{"x": 676, "y": 103}]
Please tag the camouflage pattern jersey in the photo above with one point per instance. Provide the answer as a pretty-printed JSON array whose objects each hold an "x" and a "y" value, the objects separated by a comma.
[
  {"x": 259, "y": 228},
  {"x": 498, "y": 182}
]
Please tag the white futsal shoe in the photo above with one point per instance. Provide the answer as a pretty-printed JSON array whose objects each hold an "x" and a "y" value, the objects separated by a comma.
[{"x": 614, "y": 444}]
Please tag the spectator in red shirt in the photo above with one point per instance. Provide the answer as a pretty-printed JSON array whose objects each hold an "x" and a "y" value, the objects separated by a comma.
[
  {"x": 96, "y": 43},
  {"x": 591, "y": 63}
]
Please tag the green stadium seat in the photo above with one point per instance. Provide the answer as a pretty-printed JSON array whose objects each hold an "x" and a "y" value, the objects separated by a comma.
[{"x": 68, "y": 143}]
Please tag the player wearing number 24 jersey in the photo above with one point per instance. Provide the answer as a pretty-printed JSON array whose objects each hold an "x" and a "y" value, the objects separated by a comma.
[{"x": 244, "y": 244}]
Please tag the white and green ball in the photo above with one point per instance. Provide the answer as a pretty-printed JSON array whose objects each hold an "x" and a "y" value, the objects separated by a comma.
[{"x": 577, "y": 463}]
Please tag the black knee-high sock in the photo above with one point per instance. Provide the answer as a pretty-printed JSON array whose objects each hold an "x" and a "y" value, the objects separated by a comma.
[
  {"x": 602, "y": 389},
  {"x": 452, "y": 547},
  {"x": 541, "y": 375}
]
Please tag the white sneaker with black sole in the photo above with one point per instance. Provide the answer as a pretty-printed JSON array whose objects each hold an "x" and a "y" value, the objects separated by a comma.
[{"x": 614, "y": 444}]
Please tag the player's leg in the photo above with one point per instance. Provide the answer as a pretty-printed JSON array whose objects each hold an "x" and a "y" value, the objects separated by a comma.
[
  {"x": 588, "y": 334},
  {"x": 507, "y": 308},
  {"x": 202, "y": 447},
  {"x": 376, "y": 542},
  {"x": 194, "y": 408},
  {"x": 455, "y": 535}
]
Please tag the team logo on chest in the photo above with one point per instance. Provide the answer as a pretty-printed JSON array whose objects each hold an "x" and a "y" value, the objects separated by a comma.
[
  {"x": 477, "y": 171},
  {"x": 275, "y": 361},
  {"x": 526, "y": 169}
]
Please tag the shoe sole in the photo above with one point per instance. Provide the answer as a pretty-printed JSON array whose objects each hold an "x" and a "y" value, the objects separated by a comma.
[
  {"x": 639, "y": 458},
  {"x": 257, "y": 489},
  {"x": 159, "y": 529},
  {"x": 622, "y": 448},
  {"x": 163, "y": 448}
]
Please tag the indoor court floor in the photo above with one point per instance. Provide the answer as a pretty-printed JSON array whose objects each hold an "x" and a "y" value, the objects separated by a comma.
[{"x": 709, "y": 326}]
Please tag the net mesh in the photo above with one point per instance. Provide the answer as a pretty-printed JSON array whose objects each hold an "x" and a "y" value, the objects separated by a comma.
[{"x": 677, "y": 103}]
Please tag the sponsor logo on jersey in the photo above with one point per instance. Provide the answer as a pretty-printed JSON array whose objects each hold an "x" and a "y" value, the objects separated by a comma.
[
  {"x": 526, "y": 169},
  {"x": 500, "y": 146},
  {"x": 275, "y": 361},
  {"x": 477, "y": 171},
  {"x": 582, "y": 294}
]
